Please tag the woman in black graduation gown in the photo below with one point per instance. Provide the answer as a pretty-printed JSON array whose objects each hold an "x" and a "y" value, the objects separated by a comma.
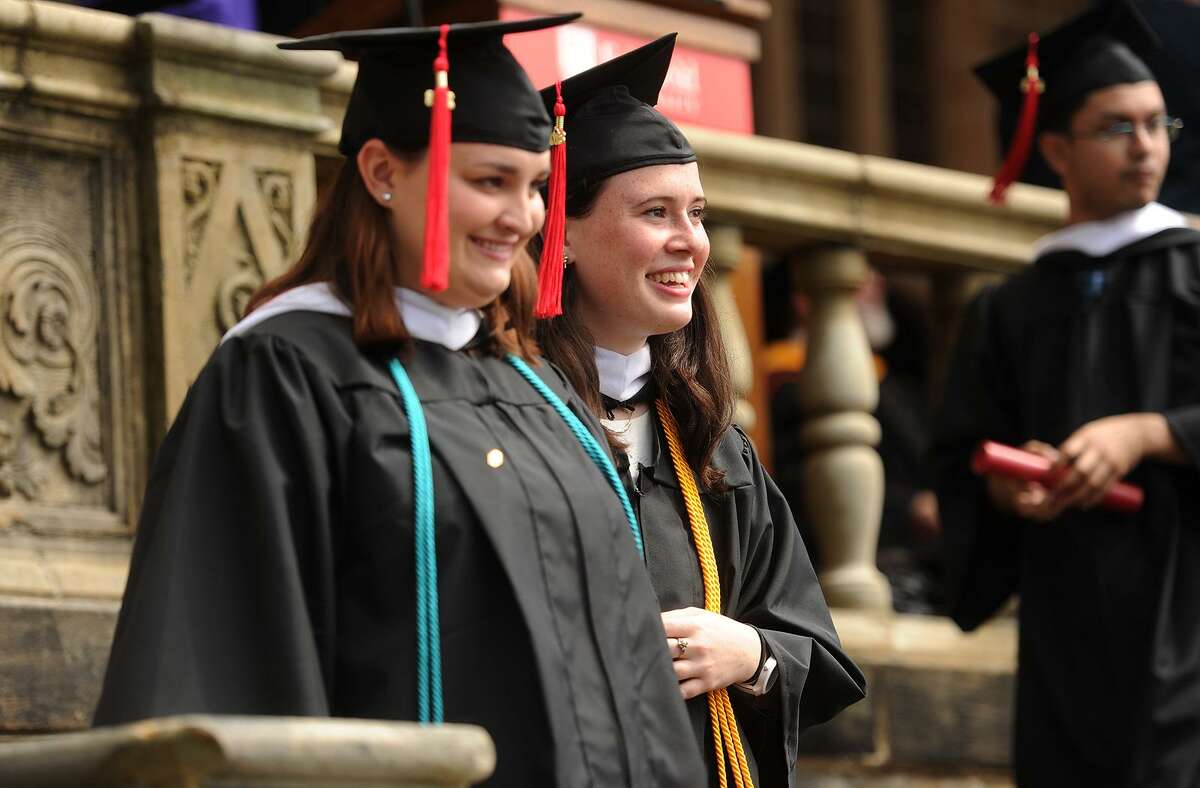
[
  {"x": 286, "y": 563},
  {"x": 638, "y": 338}
]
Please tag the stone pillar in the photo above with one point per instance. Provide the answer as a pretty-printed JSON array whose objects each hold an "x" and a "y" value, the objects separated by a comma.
[
  {"x": 779, "y": 76},
  {"x": 843, "y": 475},
  {"x": 228, "y": 184},
  {"x": 864, "y": 50},
  {"x": 726, "y": 253}
]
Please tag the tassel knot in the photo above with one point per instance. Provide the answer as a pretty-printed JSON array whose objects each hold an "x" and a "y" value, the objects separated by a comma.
[{"x": 553, "y": 263}]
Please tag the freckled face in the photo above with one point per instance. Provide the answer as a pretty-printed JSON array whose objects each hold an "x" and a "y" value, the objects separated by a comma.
[{"x": 639, "y": 254}]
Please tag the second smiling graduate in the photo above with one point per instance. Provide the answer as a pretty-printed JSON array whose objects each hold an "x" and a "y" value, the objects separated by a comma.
[{"x": 754, "y": 649}]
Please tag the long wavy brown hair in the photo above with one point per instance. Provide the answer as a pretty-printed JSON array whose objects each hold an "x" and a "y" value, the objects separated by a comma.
[
  {"x": 350, "y": 246},
  {"x": 689, "y": 366}
]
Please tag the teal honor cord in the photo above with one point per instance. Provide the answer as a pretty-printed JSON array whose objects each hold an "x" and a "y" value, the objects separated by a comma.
[
  {"x": 587, "y": 441},
  {"x": 429, "y": 647}
]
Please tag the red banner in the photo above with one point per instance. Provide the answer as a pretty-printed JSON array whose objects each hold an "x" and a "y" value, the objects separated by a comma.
[{"x": 702, "y": 88}]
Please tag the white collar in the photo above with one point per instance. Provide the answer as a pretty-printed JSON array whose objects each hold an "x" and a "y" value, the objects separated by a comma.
[
  {"x": 423, "y": 317},
  {"x": 622, "y": 376},
  {"x": 1101, "y": 238}
]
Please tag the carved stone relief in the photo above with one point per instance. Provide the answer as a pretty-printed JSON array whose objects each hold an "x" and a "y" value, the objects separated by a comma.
[
  {"x": 253, "y": 228},
  {"x": 235, "y": 290},
  {"x": 49, "y": 397},
  {"x": 201, "y": 180},
  {"x": 276, "y": 190}
]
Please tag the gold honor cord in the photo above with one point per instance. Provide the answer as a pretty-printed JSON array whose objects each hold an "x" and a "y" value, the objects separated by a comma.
[{"x": 726, "y": 738}]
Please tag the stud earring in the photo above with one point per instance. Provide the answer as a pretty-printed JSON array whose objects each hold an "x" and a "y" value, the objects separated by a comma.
[{"x": 387, "y": 196}]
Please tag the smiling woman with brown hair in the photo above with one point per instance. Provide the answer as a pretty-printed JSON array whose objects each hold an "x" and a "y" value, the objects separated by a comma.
[
  {"x": 755, "y": 651},
  {"x": 361, "y": 508}
]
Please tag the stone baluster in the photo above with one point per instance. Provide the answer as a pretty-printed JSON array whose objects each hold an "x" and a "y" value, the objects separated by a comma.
[
  {"x": 843, "y": 475},
  {"x": 726, "y": 253}
]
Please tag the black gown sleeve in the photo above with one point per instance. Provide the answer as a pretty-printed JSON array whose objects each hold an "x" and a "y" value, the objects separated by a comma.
[
  {"x": 229, "y": 605},
  {"x": 982, "y": 543},
  {"x": 780, "y": 596},
  {"x": 1184, "y": 422}
]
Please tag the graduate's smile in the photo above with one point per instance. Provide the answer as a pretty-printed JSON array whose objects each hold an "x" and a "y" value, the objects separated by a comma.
[
  {"x": 500, "y": 251},
  {"x": 673, "y": 282}
]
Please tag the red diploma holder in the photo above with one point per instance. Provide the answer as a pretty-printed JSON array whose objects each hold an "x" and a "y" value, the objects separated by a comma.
[{"x": 997, "y": 458}]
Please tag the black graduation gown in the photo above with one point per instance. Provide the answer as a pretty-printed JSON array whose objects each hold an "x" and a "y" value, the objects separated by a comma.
[
  {"x": 1109, "y": 668},
  {"x": 273, "y": 571},
  {"x": 767, "y": 582}
]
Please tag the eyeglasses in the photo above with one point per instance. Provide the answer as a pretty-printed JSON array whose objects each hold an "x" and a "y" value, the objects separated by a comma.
[{"x": 1123, "y": 131}]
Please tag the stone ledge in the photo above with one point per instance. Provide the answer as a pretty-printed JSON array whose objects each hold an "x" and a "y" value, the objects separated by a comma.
[
  {"x": 833, "y": 774},
  {"x": 52, "y": 659},
  {"x": 65, "y": 28},
  {"x": 92, "y": 62},
  {"x": 937, "y": 699},
  {"x": 63, "y": 567},
  {"x": 928, "y": 642},
  {"x": 234, "y": 75},
  {"x": 786, "y": 194},
  {"x": 201, "y": 750},
  {"x": 72, "y": 58}
]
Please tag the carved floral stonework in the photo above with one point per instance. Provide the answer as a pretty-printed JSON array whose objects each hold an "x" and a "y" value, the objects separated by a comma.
[
  {"x": 49, "y": 397},
  {"x": 277, "y": 192},
  {"x": 236, "y": 289},
  {"x": 201, "y": 180},
  {"x": 242, "y": 235}
]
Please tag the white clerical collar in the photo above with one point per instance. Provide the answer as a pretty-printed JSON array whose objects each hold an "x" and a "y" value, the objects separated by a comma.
[
  {"x": 1101, "y": 238},
  {"x": 423, "y": 317},
  {"x": 623, "y": 376}
]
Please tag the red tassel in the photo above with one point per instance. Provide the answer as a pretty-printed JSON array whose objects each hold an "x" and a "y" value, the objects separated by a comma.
[
  {"x": 1018, "y": 153},
  {"x": 550, "y": 269},
  {"x": 435, "y": 271}
]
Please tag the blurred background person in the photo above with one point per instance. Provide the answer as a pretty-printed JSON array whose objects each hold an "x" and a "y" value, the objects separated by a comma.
[{"x": 1090, "y": 358}]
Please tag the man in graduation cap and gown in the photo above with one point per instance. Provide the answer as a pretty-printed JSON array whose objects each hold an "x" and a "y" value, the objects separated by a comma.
[
  {"x": 1091, "y": 358},
  {"x": 405, "y": 528}
]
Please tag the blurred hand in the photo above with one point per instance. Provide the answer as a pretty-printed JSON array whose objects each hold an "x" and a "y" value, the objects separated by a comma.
[
  {"x": 720, "y": 651},
  {"x": 1097, "y": 455},
  {"x": 923, "y": 515},
  {"x": 1031, "y": 500}
]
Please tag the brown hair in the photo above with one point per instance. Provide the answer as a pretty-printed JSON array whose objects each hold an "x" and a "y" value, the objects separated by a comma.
[
  {"x": 689, "y": 366},
  {"x": 350, "y": 246}
]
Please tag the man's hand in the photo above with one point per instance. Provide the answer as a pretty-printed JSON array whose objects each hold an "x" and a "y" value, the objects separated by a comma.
[
  {"x": 1089, "y": 462},
  {"x": 1100, "y": 453},
  {"x": 923, "y": 517},
  {"x": 1031, "y": 500}
]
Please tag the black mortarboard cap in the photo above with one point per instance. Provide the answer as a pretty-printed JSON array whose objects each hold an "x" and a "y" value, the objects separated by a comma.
[
  {"x": 1102, "y": 47},
  {"x": 611, "y": 123},
  {"x": 494, "y": 100}
]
